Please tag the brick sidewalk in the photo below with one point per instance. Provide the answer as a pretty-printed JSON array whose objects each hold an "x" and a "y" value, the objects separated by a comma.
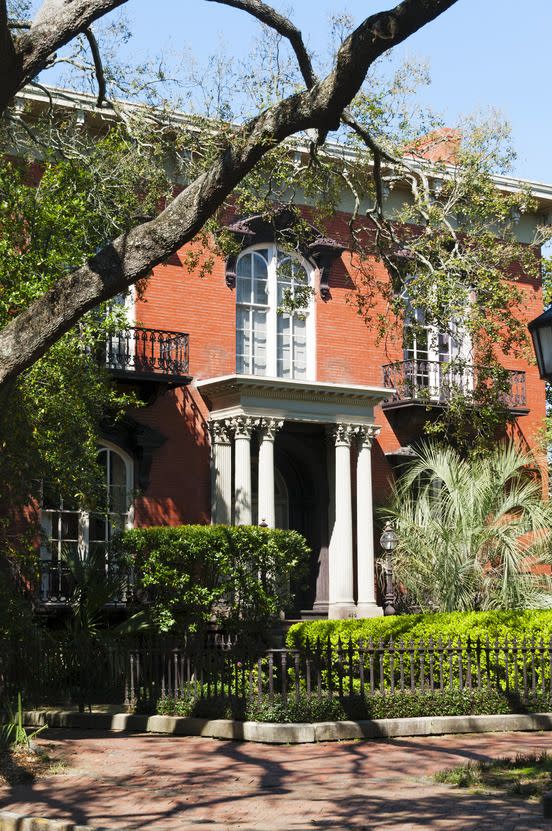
[{"x": 153, "y": 782}]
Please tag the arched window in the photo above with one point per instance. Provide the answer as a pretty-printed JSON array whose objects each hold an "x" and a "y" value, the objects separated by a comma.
[
  {"x": 114, "y": 515},
  {"x": 269, "y": 342},
  {"x": 69, "y": 530}
]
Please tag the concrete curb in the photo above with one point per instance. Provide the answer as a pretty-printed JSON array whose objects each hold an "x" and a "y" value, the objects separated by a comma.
[
  {"x": 20, "y": 822},
  {"x": 255, "y": 731}
]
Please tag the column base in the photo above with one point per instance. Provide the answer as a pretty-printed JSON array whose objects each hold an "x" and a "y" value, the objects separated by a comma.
[
  {"x": 341, "y": 611},
  {"x": 368, "y": 610}
]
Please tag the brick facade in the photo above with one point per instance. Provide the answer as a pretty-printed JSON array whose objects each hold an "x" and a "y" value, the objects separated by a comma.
[{"x": 348, "y": 352}]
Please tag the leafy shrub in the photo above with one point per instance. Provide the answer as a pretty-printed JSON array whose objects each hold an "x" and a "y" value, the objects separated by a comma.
[
  {"x": 295, "y": 709},
  {"x": 238, "y": 576},
  {"x": 425, "y": 645},
  {"x": 497, "y": 624}
]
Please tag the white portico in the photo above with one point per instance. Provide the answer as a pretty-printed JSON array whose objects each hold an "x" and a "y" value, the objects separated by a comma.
[{"x": 257, "y": 411}]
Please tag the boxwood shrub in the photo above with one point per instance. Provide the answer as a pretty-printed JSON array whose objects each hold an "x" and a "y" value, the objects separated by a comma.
[
  {"x": 445, "y": 625},
  {"x": 313, "y": 709}
]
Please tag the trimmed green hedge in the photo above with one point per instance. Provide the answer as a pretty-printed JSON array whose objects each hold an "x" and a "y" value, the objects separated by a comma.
[
  {"x": 400, "y": 705},
  {"x": 191, "y": 574},
  {"x": 527, "y": 623}
]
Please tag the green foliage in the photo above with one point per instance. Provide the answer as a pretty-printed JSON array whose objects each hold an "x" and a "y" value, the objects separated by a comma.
[
  {"x": 53, "y": 216},
  {"x": 12, "y": 732},
  {"x": 525, "y": 775},
  {"x": 476, "y": 417},
  {"x": 472, "y": 531},
  {"x": 238, "y": 576},
  {"x": 494, "y": 624},
  {"x": 305, "y": 708}
]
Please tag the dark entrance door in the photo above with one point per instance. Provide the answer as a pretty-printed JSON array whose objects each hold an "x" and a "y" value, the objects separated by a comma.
[{"x": 300, "y": 458}]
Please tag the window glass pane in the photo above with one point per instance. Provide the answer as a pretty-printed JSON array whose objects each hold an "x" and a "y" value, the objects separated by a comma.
[
  {"x": 118, "y": 485},
  {"x": 300, "y": 275},
  {"x": 244, "y": 266},
  {"x": 69, "y": 526},
  {"x": 260, "y": 274},
  {"x": 243, "y": 290},
  {"x": 259, "y": 342},
  {"x": 97, "y": 527},
  {"x": 118, "y": 470},
  {"x": 99, "y": 549},
  {"x": 260, "y": 292}
]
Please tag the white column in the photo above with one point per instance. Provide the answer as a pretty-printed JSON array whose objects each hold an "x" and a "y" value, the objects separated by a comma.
[
  {"x": 267, "y": 433},
  {"x": 366, "y": 578},
  {"x": 221, "y": 466},
  {"x": 243, "y": 427},
  {"x": 341, "y": 600}
]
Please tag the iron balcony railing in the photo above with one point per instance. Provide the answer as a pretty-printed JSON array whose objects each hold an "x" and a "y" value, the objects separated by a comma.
[
  {"x": 148, "y": 353},
  {"x": 433, "y": 382},
  {"x": 57, "y": 583}
]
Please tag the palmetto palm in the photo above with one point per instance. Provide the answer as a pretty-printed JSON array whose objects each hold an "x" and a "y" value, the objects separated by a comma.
[{"x": 472, "y": 531}]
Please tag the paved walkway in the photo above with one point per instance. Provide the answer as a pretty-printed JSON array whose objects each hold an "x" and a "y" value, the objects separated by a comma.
[{"x": 153, "y": 782}]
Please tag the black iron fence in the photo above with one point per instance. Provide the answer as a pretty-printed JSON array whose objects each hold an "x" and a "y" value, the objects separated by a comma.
[
  {"x": 438, "y": 382},
  {"x": 63, "y": 672},
  {"x": 342, "y": 669}
]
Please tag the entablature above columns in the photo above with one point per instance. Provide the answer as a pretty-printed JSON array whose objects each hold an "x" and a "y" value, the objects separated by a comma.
[{"x": 281, "y": 399}]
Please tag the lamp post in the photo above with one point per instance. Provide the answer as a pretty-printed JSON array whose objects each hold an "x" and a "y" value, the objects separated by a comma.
[
  {"x": 389, "y": 541},
  {"x": 541, "y": 333}
]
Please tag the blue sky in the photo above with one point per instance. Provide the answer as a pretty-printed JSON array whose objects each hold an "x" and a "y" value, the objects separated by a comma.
[{"x": 481, "y": 53}]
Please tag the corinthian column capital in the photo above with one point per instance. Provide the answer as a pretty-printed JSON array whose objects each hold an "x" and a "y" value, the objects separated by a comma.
[
  {"x": 367, "y": 434},
  {"x": 242, "y": 426},
  {"x": 220, "y": 431},
  {"x": 268, "y": 427},
  {"x": 342, "y": 434}
]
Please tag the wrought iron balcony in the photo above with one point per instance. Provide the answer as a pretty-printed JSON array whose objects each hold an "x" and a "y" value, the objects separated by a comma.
[
  {"x": 148, "y": 354},
  {"x": 435, "y": 383}
]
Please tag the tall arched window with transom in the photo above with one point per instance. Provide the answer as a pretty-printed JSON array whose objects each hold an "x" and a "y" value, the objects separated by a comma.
[
  {"x": 68, "y": 531},
  {"x": 275, "y": 325}
]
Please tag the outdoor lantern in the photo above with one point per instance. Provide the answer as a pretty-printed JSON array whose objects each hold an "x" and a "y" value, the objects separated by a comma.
[
  {"x": 389, "y": 538},
  {"x": 389, "y": 541},
  {"x": 541, "y": 332}
]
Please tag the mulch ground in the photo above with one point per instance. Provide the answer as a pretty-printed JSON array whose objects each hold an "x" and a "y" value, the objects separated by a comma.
[{"x": 23, "y": 765}]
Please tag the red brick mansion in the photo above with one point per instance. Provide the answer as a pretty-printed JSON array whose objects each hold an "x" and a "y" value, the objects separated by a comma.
[{"x": 254, "y": 416}]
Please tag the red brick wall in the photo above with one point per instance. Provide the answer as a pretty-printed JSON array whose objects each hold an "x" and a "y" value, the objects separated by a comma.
[{"x": 348, "y": 352}]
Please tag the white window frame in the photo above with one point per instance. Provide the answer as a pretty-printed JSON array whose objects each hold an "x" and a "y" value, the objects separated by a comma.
[
  {"x": 128, "y": 302},
  {"x": 83, "y": 518},
  {"x": 434, "y": 358},
  {"x": 272, "y": 311}
]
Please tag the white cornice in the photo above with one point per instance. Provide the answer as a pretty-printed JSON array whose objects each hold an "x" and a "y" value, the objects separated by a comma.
[{"x": 82, "y": 101}]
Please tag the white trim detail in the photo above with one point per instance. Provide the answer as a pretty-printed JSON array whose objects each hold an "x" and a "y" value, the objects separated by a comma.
[
  {"x": 264, "y": 304},
  {"x": 283, "y": 399}
]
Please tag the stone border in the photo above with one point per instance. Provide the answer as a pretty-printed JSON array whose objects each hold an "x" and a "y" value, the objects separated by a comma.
[
  {"x": 20, "y": 822},
  {"x": 256, "y": 731}
]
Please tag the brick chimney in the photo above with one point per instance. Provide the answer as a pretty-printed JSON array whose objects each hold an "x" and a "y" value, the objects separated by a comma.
[{"x": 438, "y": 146}]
